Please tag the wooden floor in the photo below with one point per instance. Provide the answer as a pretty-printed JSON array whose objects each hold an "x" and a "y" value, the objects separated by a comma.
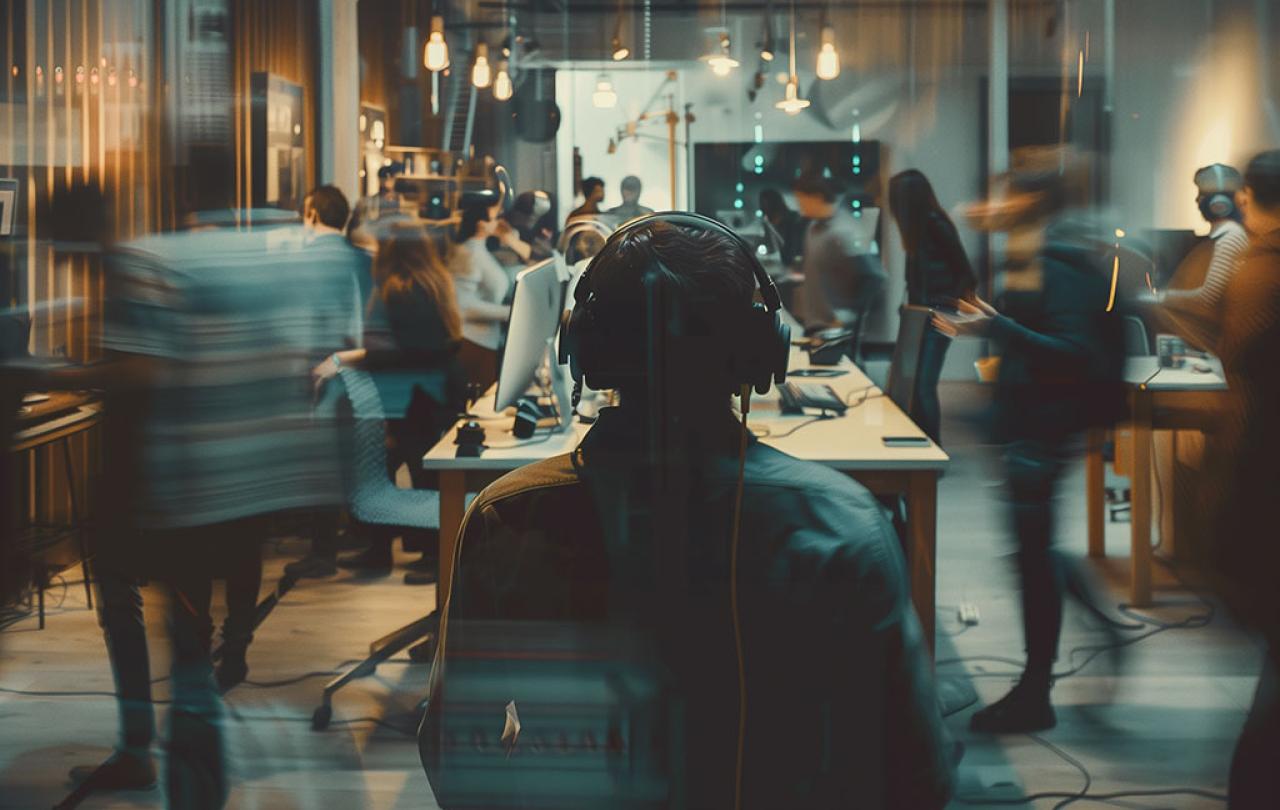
[{"x": 1170, "y": 720}]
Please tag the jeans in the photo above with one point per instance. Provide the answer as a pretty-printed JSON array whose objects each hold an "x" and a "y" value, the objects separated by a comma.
[
  {"x": 928, "y": 411},
  {"x": 1033, "y": 468},
  {"x": 196, "y": 774}
]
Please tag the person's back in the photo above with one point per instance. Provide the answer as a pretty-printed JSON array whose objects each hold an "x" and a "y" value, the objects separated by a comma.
[
  {"x": 237, "y": 320},
  {"x": 596, "y": 592}
]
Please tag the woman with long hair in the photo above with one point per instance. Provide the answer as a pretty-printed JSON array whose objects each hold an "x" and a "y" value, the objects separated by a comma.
[
  {"x": 938, "y": 273},
  {"x": 415, "y": 362}
]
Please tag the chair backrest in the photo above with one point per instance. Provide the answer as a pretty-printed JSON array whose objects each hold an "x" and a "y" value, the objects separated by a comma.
[
  {"x": 369, "y": 456},
  {"x": 1136, "y": 342},
  {"x": 913, "y": 323}
]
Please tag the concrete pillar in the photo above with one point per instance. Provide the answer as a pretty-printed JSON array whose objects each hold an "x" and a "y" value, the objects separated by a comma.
[{"x": 338, "y": 99}]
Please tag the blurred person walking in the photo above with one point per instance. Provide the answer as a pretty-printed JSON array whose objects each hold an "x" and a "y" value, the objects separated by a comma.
[
  {"x": 938, "y": 273},
  {"x": 1061, "y": 372}
]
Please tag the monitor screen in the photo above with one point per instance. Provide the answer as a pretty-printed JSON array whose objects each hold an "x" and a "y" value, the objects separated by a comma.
[{"x": 536, "y": 305}]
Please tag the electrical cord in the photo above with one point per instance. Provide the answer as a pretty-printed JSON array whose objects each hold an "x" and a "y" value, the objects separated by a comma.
[
  {"x": 1084, "y": 793},
  {"x": 766, "y": 433},
  {"x": 733, "y": 598}
]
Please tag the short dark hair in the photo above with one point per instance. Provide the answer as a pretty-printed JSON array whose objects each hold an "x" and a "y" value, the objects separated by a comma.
[
  {"x": 816, "y": 186},
  {"x": 330, "y": 205},
  {"x": 1263, "y": 176},
  {"x": 590, "y": 184},
  {"x": 630, "y": 183}
]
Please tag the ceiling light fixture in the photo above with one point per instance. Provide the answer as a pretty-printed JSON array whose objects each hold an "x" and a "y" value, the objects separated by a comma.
[
  {"x": 767, "y": 48},
  {"x": 618, "y": 50},
  {"x": 481, "y": 73},
  {"x": 435, "y": 54},
  {"x": 604, "y": 97},
  {"x": 791, "y": 102},
  {"x": 503, "y": 89},
  {"x": 720, "y": 61},
  {"x": 828, "y": 56}
]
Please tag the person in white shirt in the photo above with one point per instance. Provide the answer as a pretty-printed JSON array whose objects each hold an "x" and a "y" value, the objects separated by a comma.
[{"x": 479, "y": 279}]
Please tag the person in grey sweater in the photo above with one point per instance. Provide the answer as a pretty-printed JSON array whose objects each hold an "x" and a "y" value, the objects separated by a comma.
[{"x": 843, "y": 278}]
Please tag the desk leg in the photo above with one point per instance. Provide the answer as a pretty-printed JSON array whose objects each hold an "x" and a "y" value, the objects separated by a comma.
[
  {"x": 453, "y": 499},
  {"x": 922, "y": 547},
  {"x": 1095, "y": 483},
  {"x": 1140, "y": 504}
]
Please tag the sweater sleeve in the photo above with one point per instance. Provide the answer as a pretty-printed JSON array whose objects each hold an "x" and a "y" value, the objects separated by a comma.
[{"x": 1204, "y": 300}]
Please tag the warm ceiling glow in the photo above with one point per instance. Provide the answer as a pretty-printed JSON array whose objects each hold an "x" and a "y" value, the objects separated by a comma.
[
  {"x": 481, "y": 73},
  {"x": 502, "y": 87},
  {"x": 619, "y": 50},
  {"x": 791, "y": 103},
  {"x": 828, "y": 57},
  {"x": 435, "y": 56},
  {"x": 604, "y": 96}
]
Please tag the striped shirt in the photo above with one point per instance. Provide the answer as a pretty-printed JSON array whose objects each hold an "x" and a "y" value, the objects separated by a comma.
[
  {"x": 1198, "y": 312},
  {"x": 235, "y": 322}
]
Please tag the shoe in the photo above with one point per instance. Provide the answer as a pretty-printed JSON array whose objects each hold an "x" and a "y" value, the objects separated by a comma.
[
  {"x": 1025, "y": 708},
  {"x": 121, "y": 771},
  {"x": 232, "y": 669},
  {"x": 312, "y": 566},
  {"x": 422, "y": 571},
  {"x": 373, "y": 561}
]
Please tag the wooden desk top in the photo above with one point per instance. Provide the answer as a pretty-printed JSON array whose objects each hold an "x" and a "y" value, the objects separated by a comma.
[{"x": 849, "y": 443}]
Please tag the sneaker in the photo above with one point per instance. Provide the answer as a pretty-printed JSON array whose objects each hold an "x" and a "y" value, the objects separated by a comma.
[
  {"x": 121, "y": 771},
  {"x": 312, "y": 566},
  {"x": 1025, "y": 708},
  {"x": 373, "y": 561}
]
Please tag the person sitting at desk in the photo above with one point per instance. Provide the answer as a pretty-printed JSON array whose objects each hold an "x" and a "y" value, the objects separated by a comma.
[
  {"x": 761, "y": 598},
  {"x": 843, "y": 278},
  {"x": 631, "y": 207},
  {"x": 1192, "y": 306},
  {"x": 592, "y": 196},
  {"x": 415, "y": 366},
  {"x": 480, "y": 281}
]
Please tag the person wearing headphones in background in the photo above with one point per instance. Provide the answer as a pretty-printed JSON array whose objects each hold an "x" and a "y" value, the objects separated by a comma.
[
  {"x": 1193, "y": 305},
  {"x": 814, "y": 688}
]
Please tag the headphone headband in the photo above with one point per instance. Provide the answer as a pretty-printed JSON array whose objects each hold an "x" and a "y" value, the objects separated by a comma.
[{"x": 688, "y": 219}]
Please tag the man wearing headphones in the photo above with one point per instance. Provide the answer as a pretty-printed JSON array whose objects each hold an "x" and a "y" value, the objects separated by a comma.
[
  {"x": 1193, "y": 307},
  {"x": 739, "y": 618}
]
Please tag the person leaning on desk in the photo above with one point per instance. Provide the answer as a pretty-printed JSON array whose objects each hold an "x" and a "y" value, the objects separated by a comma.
[{"x": 838, "y": 706}]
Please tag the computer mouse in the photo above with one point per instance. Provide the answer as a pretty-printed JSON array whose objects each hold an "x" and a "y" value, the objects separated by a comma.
[{"x": 1201, "y": 367}]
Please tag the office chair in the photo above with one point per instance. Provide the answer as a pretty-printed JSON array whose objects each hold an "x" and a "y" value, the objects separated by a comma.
[
  {"x": 913, "y": 323},
  {"x": 375, "y": 501}
]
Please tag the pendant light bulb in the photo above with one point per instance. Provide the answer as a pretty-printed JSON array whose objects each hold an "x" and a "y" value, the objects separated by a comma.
[
  {"x": 481, "y": 73},
  {"x": 435, "y": 55},
  {"x": 604, "y": 97},
  {"x": 791, "y": 102},
  {"x": 767, "y": 48},
  {"x": 502, "y": 86},
  {"x": 721, "y": 62},
  {"x": 828, "y": 56}
]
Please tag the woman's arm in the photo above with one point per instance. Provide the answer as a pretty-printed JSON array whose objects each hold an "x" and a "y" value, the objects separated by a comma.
[{"x": 328, "y": 368}]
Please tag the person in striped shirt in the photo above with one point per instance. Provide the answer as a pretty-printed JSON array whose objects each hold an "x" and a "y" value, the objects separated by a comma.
[{"x": 1193, "y": 305}]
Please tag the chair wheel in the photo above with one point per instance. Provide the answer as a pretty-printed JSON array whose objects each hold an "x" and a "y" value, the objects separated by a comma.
[{"x": 320, "y": 718}]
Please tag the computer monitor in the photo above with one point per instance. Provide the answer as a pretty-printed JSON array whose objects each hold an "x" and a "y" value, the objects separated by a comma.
[
  {"x": 903, "y": 369},
  {"x": 535, "y": 316}
]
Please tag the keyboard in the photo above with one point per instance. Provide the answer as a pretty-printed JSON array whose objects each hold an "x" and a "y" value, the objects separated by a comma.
[{"x": 798, "y": 396}]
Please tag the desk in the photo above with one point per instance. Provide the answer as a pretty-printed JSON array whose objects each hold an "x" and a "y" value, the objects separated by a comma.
[
  {"x": 56, "y": 419},
  {"x": 851, "y": 444},
  {"x": 1159, "y": 399}
]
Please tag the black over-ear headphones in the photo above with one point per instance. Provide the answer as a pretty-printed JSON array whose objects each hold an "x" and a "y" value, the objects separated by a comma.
[
  {"x": 758, "y": 355},
  {"x": 1218, "y": 205}
]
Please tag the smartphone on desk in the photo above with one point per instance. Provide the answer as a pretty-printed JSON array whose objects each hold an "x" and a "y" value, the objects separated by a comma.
[
  {"x": 906, "y": 441},
  {"x": 818, "y": 372}
]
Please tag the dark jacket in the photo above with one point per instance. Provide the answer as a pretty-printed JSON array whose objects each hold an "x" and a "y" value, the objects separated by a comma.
[
  {"x": 938, "y": 270},
  {"x": 1061, "y": 350},
  {"x": 555, "y": 607}
]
